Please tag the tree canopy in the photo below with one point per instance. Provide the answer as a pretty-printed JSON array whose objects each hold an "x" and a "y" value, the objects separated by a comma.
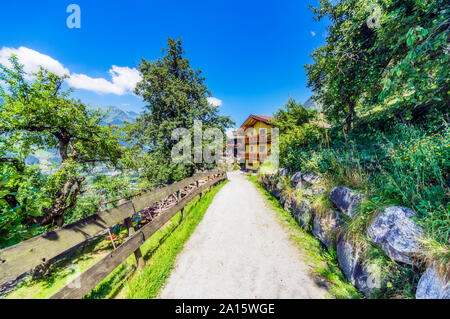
[
  {"x": 175, "y": 96},
  {"x": 37, "y": 114},
  {"x": 382, "y": 59}
]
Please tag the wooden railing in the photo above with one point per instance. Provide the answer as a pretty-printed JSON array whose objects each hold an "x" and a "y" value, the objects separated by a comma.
[
  {"x": 21, "y": 258},
  {"x": 258, "y": 138},
  {"x": 256, "y": 156}
]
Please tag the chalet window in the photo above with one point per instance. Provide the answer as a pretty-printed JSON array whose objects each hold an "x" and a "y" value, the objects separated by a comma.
[
  {"x": 251, "y": 148},
  {"x": 250, "y": 163},
  {"x": 262, "y": 131},
  {"x": 262, "y": 148}
]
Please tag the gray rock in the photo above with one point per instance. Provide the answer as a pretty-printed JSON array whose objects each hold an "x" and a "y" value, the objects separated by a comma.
[
  {"x": 285, "y": 200},
  {"x": 325, "y": 228},
  {"x": 432, "y": 286},
  {"x": 283, "y": 172},
  {"x": 297, "y": 177},
  {"x": 397, "y": 233},
  {"x": 311, "y": 178},
  {"x": 288, "y": 202},
  {"x": 345, "y": 199},
  {"x": 364, "y": 276},
  {"x": 302, "y": 212},
  {"x": 277, "y": 190},
  {"x": 308, "y": 192},
  {"x": 314, "y": 191},
  {"x": 276, "y": 193},
  {"x": 301, "y": 185}
]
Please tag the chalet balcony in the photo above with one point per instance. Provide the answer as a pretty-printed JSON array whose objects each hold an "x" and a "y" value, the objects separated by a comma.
[
  {"x": 256, "y": 156},
  {"x": 258, "y": 139}
]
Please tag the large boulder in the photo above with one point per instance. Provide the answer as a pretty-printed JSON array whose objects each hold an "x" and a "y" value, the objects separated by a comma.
[
  {"x": 345, "y": 199},
  {"x": 314, "y": 191},
  {"x": 287, "y": 201},
  {"x": 397, "y": 234},
  {"x": 302, "y": 212},
  {"x": 297, "y": 177},
  {"x": 325, "y": 227},
  {"x": 277, "y": 190},
  {"x": 432, "y": 285},
  {"x": 366, "y": 277},
  {"x": 283, "y": 172},
  {"x": 266, "y": 180},
  {"x": 311, "y": 178},
  {"x": 297, "y": 181},
  {"x": 301, "y": 186}
]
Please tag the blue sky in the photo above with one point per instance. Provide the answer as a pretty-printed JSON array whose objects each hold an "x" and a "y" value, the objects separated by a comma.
[{"x": 251, "y": 52}]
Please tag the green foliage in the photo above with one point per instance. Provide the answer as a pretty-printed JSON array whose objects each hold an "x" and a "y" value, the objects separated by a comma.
[
  {"x": 35, "y": 115},
  {"x": 397, "y": 69},
  {"x": 101, "y": 189},
  {"x": 297, "y": 129},
  {"x": 405, "y": 165},
  {"x": 176, "y": 96}
]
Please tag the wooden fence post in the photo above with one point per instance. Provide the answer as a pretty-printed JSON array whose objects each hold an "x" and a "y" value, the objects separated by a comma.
[
  {"x": 196, "y": 184},
  {"x": 137, "y": 253},
  {"x": 178, "y": 200}
]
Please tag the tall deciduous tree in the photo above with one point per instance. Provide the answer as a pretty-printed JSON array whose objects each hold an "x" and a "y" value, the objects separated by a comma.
[
  {"x": 37, "y": 114},
  {"x": 175, "y": 96},
  {"x": 388, "y": 55}
]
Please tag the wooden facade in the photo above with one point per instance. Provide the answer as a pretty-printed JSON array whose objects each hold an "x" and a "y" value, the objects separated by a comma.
[{"x": 253, "y": 141}]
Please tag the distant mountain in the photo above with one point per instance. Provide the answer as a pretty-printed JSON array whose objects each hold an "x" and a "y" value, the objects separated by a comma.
[
  {"x": 311, "y": 104},
  {"x": 117, "y": 116}
]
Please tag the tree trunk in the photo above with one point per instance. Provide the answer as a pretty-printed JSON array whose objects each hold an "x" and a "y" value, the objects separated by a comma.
[
  {"x": 54, "y": 214},
  {"x": 350, "y": 117},
  {"x": 11, "y": 200}
]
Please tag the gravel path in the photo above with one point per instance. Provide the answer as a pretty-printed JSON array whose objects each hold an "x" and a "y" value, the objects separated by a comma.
[{"x": 240, "y": 250}]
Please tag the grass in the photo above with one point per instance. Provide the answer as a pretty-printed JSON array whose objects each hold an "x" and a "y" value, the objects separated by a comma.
[
  {"x": 63, "y": 271},
  {"x": 323, "y": 263},
  {"x": 159, "y": 252}
]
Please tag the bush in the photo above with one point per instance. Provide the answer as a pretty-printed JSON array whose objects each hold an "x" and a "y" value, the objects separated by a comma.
[{"x": 405, "y": 165}]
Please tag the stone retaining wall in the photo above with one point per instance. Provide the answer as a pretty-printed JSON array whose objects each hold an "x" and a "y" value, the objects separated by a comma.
[{"x": 393, "y": 230}]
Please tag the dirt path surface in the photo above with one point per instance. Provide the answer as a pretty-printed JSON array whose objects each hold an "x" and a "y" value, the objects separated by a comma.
[{"x": 240, "y": 250}]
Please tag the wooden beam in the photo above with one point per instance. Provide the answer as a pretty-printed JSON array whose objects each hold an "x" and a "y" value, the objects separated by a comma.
[
  {"x": 20, "y": 258},
  {"x": 84, "y": 283}
]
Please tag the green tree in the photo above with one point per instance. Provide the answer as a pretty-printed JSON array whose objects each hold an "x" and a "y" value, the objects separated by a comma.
[
  {"x": 381, "y": 55},
  {"x": 175, "y": 96},
  {"x": 298, "y": 128},
  {"x": 37, "y": 114}
]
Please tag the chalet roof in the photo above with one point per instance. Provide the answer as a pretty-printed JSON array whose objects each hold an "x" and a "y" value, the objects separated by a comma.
[{"x": 253, "y": 118}]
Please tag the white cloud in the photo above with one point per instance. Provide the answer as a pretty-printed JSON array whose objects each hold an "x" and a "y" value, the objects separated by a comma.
[
  {"x": 32, "y": 60},
  {"x": 123, "y": 79},
  {"x": 214, "y": 101},
  {"x": 313, "y": 33}
]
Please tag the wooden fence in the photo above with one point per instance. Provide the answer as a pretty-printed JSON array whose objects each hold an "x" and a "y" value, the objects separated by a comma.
[{"x": 21, "y": 258}]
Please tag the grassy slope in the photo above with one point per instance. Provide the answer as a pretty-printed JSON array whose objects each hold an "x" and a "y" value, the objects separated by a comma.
[
  {"x": 63, "y": 272},
  {"x": 159, "y": 251},
  {"x": 324, "y": 263}
]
